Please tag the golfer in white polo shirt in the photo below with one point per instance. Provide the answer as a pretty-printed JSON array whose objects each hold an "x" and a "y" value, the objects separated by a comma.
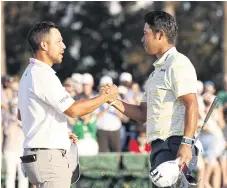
[
  {"x": 169, "y": 105},
  {"x": 43, "y": 106}
]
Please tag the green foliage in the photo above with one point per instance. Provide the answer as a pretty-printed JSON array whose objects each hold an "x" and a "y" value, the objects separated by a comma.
[{"x": 103, "y": 43}]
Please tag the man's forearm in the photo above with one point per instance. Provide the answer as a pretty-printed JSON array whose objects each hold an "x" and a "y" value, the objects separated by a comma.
[
  {"x": 83, "y": 107},
  {"x": 134, "y": 112},
  {"x": 191, "y": 117}
]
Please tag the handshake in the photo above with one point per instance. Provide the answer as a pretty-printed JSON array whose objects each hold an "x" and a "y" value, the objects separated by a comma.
[{"x": 110, "y": 91}]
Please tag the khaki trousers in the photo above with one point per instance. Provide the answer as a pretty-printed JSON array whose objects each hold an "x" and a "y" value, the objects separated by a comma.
[{"x": 50, "y": 170}]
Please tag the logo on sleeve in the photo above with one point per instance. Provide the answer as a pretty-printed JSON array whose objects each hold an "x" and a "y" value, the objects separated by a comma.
[{"x": 64, "y": 98}]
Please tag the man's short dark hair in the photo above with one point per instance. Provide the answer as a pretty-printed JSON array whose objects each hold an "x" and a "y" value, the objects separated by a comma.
[
  {"x": 38, "y": 32},
  {"x": 160, "y": 20}
]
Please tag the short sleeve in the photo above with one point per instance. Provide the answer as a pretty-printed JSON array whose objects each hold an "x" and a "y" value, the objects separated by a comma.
[
  {"x": 53, "y": 93},
  {"x": 144, "y": 96},
  {"x": 184, "y": 79}
]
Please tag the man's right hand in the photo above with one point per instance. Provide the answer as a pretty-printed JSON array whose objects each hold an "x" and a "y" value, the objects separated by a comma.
[{"x": 110, "y": 91}]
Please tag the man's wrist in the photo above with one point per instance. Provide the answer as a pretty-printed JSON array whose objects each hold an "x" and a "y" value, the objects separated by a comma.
[
  {"x": 104, "y": 98},
  {"x": 112, "y": 103},
  {"x": 187, "y": 140}
]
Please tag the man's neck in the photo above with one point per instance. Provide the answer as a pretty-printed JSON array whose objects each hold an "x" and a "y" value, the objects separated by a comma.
[
  {"x": 44, "y": 59},
  {"x": 164, "y": 50}
]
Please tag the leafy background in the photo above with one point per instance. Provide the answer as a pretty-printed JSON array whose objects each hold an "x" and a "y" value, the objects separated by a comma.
[{"x": 104, "y": 38}]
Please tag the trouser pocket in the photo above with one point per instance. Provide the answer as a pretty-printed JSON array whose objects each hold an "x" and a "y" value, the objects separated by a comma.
[{"x": 32, "y": 171}]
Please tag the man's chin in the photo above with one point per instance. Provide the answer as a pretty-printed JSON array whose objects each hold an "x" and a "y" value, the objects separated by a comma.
[
  {"x": 59, "y": 61},
  {"x": 149, "y": 52}
]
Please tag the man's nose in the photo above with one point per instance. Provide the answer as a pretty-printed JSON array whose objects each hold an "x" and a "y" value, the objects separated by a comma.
[
  {"x": 64, "y": 47},
  {"x": 142, "y": 40}
]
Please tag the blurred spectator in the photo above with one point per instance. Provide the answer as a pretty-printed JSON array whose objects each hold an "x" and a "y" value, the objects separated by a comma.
[
  {"x": 7, "y": 80},
  {"x": 209, "y": 87},
  {"x": 68, "y": 84},
  {"x": 201, "y": 104},
  {"x": 87, "y": 81},
  {"x": 136, "y": 92},
  {"x": 77, "y": 83},
  {"x": 105, "y": 80},
  {"x": 85, "y": 128},
  {"x": 222, "y": 100},
  {"x": 4, "y": 114},
  {"x": 77, "y": 77},
  {"x": 88, "y": 84},
  {"x": 108, "y": 134},
  {"x": 125, "y": 79},
  {"x": 200, "y": 88},
  {"x": 109, "y": 124},
  {"x": 213, "y": 144},
  {"x": 129, "y": 127},
  {"x": 13, "y": 146},
  {"x": 140, "y": 144}
]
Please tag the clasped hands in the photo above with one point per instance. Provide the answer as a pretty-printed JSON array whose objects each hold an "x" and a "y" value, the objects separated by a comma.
[{"x": 110, "y": 91}]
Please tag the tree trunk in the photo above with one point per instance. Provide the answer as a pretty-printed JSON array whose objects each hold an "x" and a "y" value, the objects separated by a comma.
[
  {"x": 169, "y": 6},
  {"x": 225, "y": 39},
  {"x": 3, "y": 53}
]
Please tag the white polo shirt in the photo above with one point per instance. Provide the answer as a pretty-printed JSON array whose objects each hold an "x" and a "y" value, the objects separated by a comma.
[
  {"x": 174, "y": 76},
  {"x": 42, "y": 101}
]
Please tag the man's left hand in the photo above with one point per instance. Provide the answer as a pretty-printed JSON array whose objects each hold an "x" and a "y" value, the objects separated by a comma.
[
  {"x": 184, "y": 154},
  {"x": 73, "y": 138}
]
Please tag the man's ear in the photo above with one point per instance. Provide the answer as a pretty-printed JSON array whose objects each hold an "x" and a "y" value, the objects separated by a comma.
[
  {"x": 160, "y": 35},
  {"x": 44, "y": 45}
]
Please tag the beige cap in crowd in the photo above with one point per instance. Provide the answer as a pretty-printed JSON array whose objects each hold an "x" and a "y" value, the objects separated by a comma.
[
  {"x": 87, "y": 78},
  {"x": 125, "y": 77},
  {"x": 77, "y": 77},
  {"x": 105, "y": 80}
]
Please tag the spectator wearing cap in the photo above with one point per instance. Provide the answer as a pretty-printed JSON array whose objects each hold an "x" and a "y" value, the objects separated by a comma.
[
  {"x": 87, "y": 81},
  {"x": 68, "y": 84},
  {"x": 209, "y": 87},
  {"x": 77, "y": 83},
  {"x": 108, "y": 124},
  {"x": 88, "y": 84},
  {"x": 128, "y": 130},
  {"x": 125, "y": 79}
]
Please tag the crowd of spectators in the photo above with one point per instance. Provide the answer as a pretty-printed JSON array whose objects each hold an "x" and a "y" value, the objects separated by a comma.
[{"x": 107, "y": 130}]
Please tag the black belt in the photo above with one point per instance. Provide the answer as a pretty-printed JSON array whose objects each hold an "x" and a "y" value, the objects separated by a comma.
[
  {"x": 161, "y": 141},
  {"x": 36, "y": 149}
]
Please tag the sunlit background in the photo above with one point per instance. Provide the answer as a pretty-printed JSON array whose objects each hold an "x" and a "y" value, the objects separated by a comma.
[{"x": 104, "y": 39}]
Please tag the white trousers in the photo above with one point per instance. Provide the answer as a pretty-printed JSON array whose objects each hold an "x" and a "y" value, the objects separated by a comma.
[{"x": 13, "y": 165}]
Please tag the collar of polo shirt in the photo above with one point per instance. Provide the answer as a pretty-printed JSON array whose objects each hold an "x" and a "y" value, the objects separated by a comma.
[
  {"x": 160, "y": 62},
  {"x": 40, "y": 63}
]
